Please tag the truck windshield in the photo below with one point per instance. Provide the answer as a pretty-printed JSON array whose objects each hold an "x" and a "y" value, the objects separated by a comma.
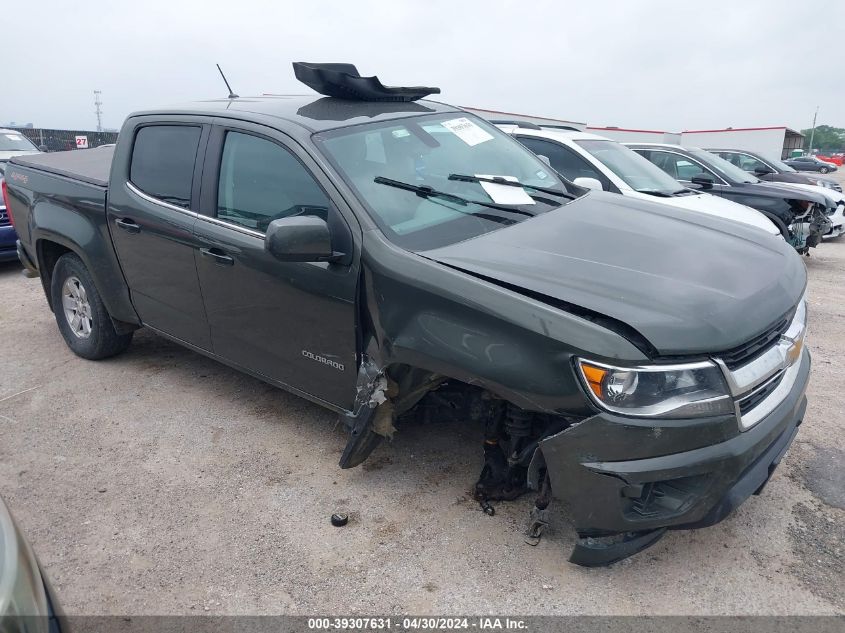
[
  {"x": 637, "y": 172},
  {"x": 421, "y": 153},
  {"x": 14, "y": 142}
]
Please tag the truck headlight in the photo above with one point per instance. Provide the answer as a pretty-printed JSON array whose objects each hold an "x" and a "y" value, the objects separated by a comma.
[{"x": 680, "y": 391}]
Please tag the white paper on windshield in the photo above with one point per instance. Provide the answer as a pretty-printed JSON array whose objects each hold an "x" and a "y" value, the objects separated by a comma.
[
  {"x": 467, "y": 131},
  {"x": 14, "y": 137},
  {"x": 505, "y": 194}
]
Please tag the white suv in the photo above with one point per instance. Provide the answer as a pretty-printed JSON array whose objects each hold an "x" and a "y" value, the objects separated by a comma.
[
  {"x": 13, "y": 143},
  {"x": 600, "y": 163}
]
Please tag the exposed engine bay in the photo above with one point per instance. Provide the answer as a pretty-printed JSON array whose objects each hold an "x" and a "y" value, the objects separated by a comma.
[
  {"x": 807, "y": 225},
  {"x": 511, "y": 466},
  {"x": 624, "y": 481}
]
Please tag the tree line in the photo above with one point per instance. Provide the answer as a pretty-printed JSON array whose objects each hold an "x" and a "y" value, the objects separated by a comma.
[{"x": 825, "y": 139}]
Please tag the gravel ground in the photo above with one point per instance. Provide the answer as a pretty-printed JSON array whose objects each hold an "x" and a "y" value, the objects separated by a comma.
[{"x": 160, "y": 482}]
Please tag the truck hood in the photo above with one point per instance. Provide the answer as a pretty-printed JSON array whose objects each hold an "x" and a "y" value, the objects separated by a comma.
[
  {"x": 714, "y": 205},
  {"x": 689, "y": 283}
]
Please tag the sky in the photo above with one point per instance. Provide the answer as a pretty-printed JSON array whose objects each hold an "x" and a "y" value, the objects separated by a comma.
[{"x": 652, "y": 64}]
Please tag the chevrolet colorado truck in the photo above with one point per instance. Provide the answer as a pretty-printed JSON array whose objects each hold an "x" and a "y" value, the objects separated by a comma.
[{"x": 398, "y": 260}]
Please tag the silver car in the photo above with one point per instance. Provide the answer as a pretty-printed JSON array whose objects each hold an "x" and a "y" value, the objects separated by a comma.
[{"x": 26, "y": 601}]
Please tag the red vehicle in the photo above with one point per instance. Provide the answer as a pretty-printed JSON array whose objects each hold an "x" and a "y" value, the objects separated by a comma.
[{"x": 836, "y": 160}]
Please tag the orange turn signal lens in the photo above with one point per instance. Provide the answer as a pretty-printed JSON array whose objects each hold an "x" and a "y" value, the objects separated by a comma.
[{"x": 594, "y": 376}]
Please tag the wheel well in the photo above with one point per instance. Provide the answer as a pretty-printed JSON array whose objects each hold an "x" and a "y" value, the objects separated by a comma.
[{"x": 48, "y": 254}]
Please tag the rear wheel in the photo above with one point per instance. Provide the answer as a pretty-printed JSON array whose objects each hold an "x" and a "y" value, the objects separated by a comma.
[{"x": 82, "y": 317}]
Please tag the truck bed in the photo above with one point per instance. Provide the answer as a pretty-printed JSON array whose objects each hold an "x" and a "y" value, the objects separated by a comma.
[{"x": 88, "y": 165}]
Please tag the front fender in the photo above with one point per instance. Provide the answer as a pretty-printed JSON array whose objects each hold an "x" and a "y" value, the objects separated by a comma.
[{"x": 432, "y": 317}]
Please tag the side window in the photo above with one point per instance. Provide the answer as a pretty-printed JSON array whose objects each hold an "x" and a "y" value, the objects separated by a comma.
[
  {"x": 260, "y": 181},
  {"x": 163, "y": 159},
  {"x": 686, "y": 169},
  {"x": 564, "y": 161},
  {"x": 662, "y": 160},
  {"x": 731, "y": 157},
  {"x": 749, "y": 163},
  {"x": 677, "y": 166}
]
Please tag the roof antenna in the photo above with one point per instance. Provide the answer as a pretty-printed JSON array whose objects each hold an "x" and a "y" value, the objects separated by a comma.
[{"x": 232, "y": 95}]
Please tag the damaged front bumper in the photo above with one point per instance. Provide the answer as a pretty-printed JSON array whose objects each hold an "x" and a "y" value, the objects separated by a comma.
[
  {"x": 837, "y": 222},
  {"x": 627, "y": 480}
]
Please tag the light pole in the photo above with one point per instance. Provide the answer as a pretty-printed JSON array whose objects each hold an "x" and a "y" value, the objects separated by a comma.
[
  {"x": 813, "y": 131},
  {"x": 98, "y": 110}
]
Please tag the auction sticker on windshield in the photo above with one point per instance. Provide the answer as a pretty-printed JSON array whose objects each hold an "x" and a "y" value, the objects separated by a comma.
[
  {"x": 505, "y": 194},
  {"x": 467, "y": 131}
]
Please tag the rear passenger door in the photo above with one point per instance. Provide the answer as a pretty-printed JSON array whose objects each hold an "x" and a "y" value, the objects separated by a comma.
[
  {"x": 151, "y": 213},
  {"x": 293, "y": 323}
]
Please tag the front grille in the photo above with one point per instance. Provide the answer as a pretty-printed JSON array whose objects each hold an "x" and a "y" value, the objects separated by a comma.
[
  {"x": 738, "y": 356},
  {"x": 756, "y": 397},
  {"x": 4, "y": 217}
]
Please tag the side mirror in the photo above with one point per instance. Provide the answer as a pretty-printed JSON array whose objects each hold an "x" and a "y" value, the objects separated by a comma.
[
  {"x": 763, "y": 170},
  {"x": 545, "y": 159},
  {"x": 705, "y": 181},
  {"x": 589, "y": 183},
  {"x": 43, "y": 148},
  {"x": 300, "y": 238}
]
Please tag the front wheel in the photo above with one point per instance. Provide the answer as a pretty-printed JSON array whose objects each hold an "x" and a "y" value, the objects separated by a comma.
[
  {"x": 823, "y": 170},
  {"x": 82, "y": 317}
]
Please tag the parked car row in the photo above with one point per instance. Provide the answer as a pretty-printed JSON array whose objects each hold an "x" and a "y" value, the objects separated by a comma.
[
  {"x": 12, "y": 143},
  {"x": 772, "y": 169},
  {"x": 811, "y": 163},
  {"x": 396, "y": 259},
  {"x": 803, "y": 214},
  {"x": 688, "y": 178},
  {"x": 8, "y": 237}
]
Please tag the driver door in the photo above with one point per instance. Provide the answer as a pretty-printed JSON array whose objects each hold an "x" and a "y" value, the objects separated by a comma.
[{"x": 291, "y": 323}]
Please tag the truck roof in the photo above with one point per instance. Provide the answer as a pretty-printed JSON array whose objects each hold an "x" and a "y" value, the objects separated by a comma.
[{"x": 312, "y": 112}]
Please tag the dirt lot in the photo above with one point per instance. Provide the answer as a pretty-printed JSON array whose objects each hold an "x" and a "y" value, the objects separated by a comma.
[{"x": 163, "y": 482}]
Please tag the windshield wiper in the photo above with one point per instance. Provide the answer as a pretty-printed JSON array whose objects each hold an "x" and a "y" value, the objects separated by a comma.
[
  {"x": 657, "y": 192},
  {"x": 424, "y": 191},
  {"x": 498, "y": 180}
]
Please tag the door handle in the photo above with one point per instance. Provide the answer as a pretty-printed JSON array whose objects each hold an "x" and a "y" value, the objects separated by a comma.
[
  {"x": 128, "y": 225},
  {"x": 218, "y": 256}
]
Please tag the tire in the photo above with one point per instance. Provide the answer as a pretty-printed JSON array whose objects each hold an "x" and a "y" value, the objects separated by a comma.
[
  {"x": 82, "y": 317},
  {"x": 823, "y": 170}
]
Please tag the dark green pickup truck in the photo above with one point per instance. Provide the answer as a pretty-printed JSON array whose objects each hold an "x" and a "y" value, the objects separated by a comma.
[{"x": 395, "y": 259}]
